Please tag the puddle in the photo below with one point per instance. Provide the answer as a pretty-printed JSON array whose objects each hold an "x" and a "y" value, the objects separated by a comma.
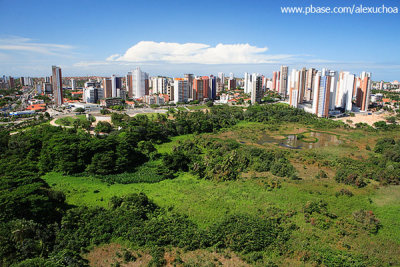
[{"x": 305, "y": 140}]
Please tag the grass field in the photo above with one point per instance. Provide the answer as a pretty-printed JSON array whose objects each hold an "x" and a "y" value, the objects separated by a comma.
[
  {"x": 207, "y": 202},
  {"x": 150, "y": 115},
  {"x": 181, "y": 108},
  {"x": 71, "y": 119},
  {"x": 197, "y": 107}
]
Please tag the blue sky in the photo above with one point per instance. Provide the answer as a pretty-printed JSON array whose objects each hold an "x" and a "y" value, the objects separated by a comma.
[{"x": 175, "y": 37}]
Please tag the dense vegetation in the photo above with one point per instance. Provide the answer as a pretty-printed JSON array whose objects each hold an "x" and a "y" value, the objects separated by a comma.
[
  {"x": 382, "y": 166},
  {"x": 38, "y": 227},
  {"x": 225, "y": 160}
]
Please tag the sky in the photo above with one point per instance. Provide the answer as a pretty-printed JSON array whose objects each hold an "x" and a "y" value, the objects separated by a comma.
[{"x": 202, "y": 37}]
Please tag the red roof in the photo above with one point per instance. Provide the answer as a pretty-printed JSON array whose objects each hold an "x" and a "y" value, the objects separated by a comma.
[{"x": 36, "y": 107}]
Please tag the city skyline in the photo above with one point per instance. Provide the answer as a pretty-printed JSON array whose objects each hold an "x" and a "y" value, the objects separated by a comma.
[{"x": 237, "y": 38}]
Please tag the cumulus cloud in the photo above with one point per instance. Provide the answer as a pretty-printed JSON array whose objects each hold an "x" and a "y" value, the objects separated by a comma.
[
  {"x": 28, "y": 45},
  {"x": 197, "y": 53}
]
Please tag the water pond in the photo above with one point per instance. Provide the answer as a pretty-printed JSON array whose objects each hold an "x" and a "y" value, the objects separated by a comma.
[{"x": 305, "y": 140}]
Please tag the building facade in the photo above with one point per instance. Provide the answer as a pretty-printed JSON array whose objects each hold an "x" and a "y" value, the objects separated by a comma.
[{"x": 57, "y": 85}]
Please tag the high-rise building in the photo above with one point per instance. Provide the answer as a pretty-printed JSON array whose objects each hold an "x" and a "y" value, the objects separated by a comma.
[
  {"x": 275, "y": 78},
  {"x": 221, "y": 77},
  {"x": 344, "y": 93},
  {"x": 26, "y": 81},
  {"x": 189, "y": 77},
  {"x": 301, "y": 84},
  {"x": 332, "y": 88},
  {"x": 198, "y": 89},
  {"x": 107, "y": 87},
  {"x": 139, "y": 83},
  {"x": 90, "y": 95},
  {"x": 206, "y": 87},
  {"x": 256, "y": 90},
  {"x": 220, "y": 82},
  {"x": 247, "y": 83},
  {"x": 310, "y": 76},
  {"x": 231, "y": 84},
  {"x": 363, "y": 91},
  {"x": 170, "y": 90},
  {"x": 324, "y": 82},
  {"x": 162, "y": 85},
  {"x": 3, "y": 83},
  {"x": 293, "y": 97},
  {"x": 57, "y": 85},
  {"x": 159, "y": 85},
  {"x": 116, "y": 84},
  {"x": 6, "y": 82},
  {"x": 11, "y": 83},
  {"x": 181, "y": 90},
  {"x": 297, "y": 85},
  {"x": 293, "y": 81},
  {"x": 268, "y": 85},
  {"x": 47, "y": 88},
  {"x": 146, "y": 84},
  {"x": 283, "y": 83},
  {"x": 213, "y": 87},
  {"x": 73, "y": 84},
  {"x": 129, "y": 84}
]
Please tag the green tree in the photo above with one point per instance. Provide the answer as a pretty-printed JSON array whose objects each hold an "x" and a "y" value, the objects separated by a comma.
[
  {"x": 103, "y": 163},
  {"x": 80, "y": 110},
  {"x": 103, "y": 127}
]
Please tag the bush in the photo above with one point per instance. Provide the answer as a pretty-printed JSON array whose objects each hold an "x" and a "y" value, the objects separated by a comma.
[
  {"x": 320, "y": 207},
  {"x": 349, "y": 177},
  {"x": 321, "y": 174},
  {"x": 282, "y": 167},
  {"x": 79, "y": 110},
  {"x": 104, "y": 111},
  {"x": 368, "y": 220},
  {"x": 344, "y": 192},
  {"x": 243, "y": 233}
]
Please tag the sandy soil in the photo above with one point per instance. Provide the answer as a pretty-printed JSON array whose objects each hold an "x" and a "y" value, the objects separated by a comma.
[{"x": 369, "y": 119}]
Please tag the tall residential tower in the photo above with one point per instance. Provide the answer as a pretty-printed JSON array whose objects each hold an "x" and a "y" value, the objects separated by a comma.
[{"x": 56, "y": 79}]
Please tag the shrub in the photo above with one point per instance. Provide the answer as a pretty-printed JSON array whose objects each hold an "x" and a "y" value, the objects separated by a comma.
[
  {"x": 350, "y": 177},
  {"x": 344, "y": 192},
  {"x": 368, "y": 220},
  {"x": 282, "y": 167},
  {"x": 243, "y": 233},
  {"x": 321, "y": 174}
]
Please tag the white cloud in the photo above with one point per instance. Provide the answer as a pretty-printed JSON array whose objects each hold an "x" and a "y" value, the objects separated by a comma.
[
  {"x": 197, "y": 53},
  {"x": 28, "y": 45},
  {"x": 113, "y": 57},
  {"x": 90, "y": 63}
]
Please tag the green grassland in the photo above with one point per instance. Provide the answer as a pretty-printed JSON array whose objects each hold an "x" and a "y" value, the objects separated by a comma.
[
  {"x": 197, "y": 107},
  {"x": 150, "y": 115},
  {"x": 71, "y": 119},
  {"x": 181, "y": 108},
  {"x": 207, "y": 202}
]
